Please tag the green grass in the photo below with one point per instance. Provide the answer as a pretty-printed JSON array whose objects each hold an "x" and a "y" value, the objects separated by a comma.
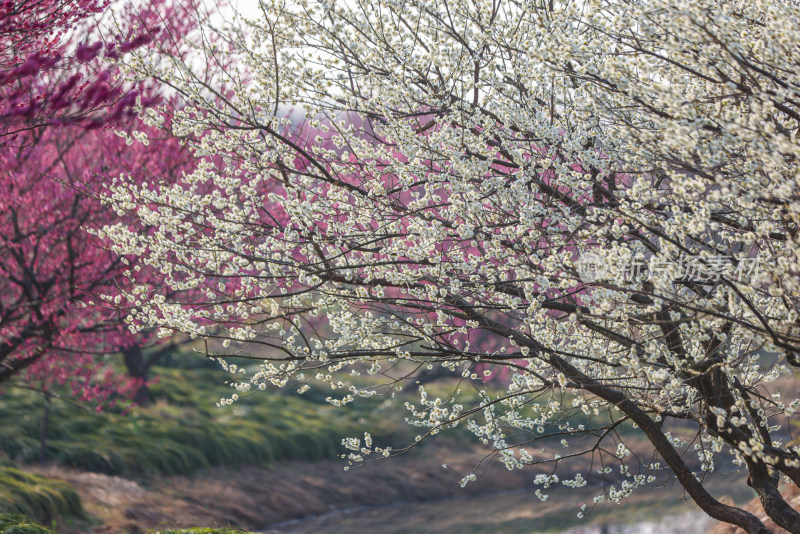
[
  {"x": 183, "y": 430},
  {"x": 36, "y": 496},
  {"x": 19, "y": 524}
]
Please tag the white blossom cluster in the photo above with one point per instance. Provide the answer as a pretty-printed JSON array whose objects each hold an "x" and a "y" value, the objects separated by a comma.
[{"x": 457, "y": 159}]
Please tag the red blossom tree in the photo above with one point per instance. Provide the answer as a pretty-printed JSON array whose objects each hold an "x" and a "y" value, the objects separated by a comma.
[
  {"x": 59, "y": 106},
  {"x": 51, "y": 266},
  {"x": 54, "y": 71}
]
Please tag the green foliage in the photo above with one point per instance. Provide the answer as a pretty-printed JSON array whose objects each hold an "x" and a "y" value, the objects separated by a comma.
[
  {"x": 183, "y": 429},
  {"x": 36, "y": 496},
  {"x": 19, "y": 524}
]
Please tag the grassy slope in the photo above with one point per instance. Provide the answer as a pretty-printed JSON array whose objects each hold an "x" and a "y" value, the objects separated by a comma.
[
  {"x": 20, "y": 524},
  {"x": 36, "y": 496},
  {"x": 183, "y": 430},
  {"x": 179, "y": 433}
]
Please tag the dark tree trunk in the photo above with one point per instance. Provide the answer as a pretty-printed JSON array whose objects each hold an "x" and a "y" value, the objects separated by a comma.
[
  {"x": 139, "y": 368},
  {"x": 138, "y": 365},
  {"x": 711, "y": 506},
  {"x": 774, "y": 504},
  {"x": 48, "y": 398}
]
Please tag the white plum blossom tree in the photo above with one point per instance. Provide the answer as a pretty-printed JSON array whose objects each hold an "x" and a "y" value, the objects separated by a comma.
[{"x": 601, "y": 195}]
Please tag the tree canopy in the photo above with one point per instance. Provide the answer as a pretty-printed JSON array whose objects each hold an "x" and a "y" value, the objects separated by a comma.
[
  {"x": 60, "y": 97},
  {"x": 600, "y": 196}
]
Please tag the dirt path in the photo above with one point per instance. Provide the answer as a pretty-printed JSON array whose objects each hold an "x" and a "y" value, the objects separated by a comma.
[
  {"x": 518, "y": 512},
  {"x": 254, "y": 497},
  {"x": 420, "y": 491}
]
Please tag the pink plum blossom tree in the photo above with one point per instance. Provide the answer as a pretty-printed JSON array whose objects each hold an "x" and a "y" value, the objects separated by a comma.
[{"x": 59, "y": 106}]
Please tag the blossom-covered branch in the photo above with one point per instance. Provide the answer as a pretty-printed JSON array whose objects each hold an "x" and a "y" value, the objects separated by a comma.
[{"x": 472, "y": 170}]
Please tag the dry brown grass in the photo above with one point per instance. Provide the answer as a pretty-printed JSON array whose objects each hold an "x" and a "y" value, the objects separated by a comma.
[
  {"x": 252, "y": 498},
  {"x": 255, "y": 497}
]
